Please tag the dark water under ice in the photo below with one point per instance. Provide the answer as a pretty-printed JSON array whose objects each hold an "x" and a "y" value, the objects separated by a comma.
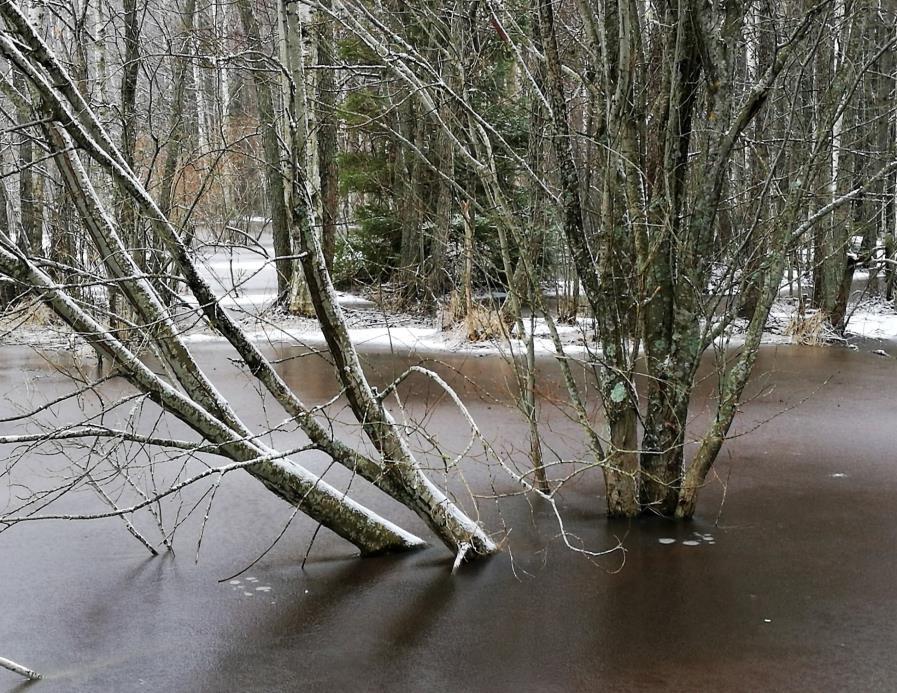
[{"x": 789, "y": 582}]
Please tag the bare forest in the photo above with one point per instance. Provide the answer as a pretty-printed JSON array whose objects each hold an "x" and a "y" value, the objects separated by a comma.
[{"x": 622, "y": 205}]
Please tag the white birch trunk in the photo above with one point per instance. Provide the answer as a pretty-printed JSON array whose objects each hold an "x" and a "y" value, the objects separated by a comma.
[
  {"x": 838, "y": 127},
  {"x": 224, "y": 108},
  {"x": 202, "y": 110},
  {"x": 298, "y": 51}
]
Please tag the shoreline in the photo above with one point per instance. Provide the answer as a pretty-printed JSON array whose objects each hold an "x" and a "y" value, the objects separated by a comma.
[{"x": 373, "y": 329}]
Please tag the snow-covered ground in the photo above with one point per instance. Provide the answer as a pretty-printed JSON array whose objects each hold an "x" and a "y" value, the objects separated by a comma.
[
  {"x": 245, "y": 280},
  {"x": 373, "y": 330},
  {"x": 873, "y": 320}
]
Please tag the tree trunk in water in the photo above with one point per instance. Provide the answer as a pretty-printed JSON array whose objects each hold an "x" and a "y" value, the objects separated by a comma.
[
  {"x": 663, "y": 443},
  {"x": 621, "y": 463},
  {"x": 835, "y": 234},
  {"x": 621, "y": 473},
  {"x": 458, "y": 532}
]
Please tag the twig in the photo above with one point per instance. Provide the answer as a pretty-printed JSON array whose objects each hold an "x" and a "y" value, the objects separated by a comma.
[{"x": 461, "y": 556}]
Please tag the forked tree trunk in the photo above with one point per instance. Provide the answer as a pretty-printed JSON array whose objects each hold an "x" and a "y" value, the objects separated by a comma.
[{"x": 621, "y": 465}]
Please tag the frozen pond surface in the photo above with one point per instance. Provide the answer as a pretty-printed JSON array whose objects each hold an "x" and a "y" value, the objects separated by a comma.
[{"x": 792, "y": 589}]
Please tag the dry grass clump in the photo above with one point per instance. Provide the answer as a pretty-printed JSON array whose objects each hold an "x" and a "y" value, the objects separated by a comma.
[
  {"x": 33, "y": 314},
  {"x": 28, "y": 322},
  {"x": 568, "y": 309},
  {"x": 811, "y": 328},
  {"x": 481, "y": 322},
  {"x": 38, "y": 315}
]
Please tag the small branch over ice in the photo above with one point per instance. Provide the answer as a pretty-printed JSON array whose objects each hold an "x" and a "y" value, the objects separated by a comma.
[{"x": 463, "y": 548}]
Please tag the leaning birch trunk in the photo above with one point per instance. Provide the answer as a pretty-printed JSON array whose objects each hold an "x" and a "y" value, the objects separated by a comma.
[
  {"x": 316, "y": 498},
  {"x": 457, "y": 531},
  {"x": 407, "y": 484},
  {"x": 498, "y": 205},
  {"x": 170, "y": 347}
]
